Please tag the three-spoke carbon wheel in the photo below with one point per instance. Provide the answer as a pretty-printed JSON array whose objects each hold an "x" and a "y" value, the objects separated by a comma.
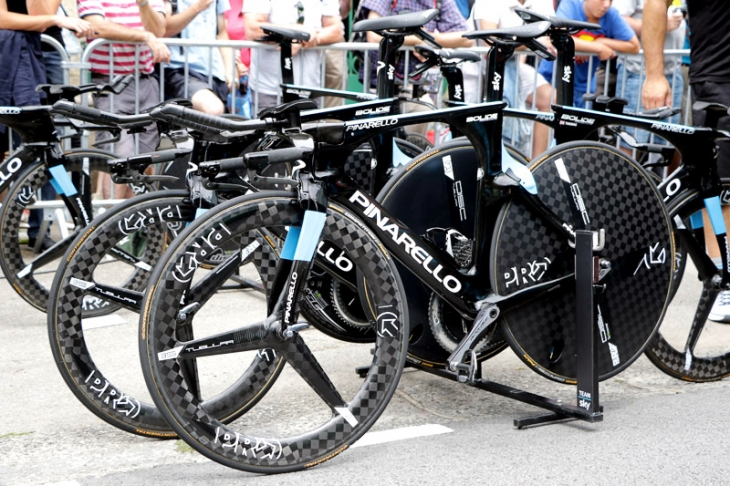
[
  {"x": 696, "y": 350},
  {"x": 318, "y": 406},
  {"x": 30, "y": 275}
]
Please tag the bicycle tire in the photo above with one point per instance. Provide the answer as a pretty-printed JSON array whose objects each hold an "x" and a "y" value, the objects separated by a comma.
[
  {"x": 620, "y": 198},
  {"x": 14, "y": 258},
  {"x": 709, "y": 360},
  {"x": 321, "y": 436},
  {"x": 80, "y": 358}
]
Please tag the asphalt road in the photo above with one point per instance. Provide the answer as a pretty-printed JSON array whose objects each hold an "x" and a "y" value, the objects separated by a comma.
[{"x": 656, "y": 430}]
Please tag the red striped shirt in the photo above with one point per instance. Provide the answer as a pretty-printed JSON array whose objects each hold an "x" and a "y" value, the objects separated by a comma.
[{"x": 126, "y": 13}]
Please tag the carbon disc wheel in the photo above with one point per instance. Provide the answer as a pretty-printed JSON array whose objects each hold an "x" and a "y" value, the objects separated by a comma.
[{"x": 619, "y": 198}]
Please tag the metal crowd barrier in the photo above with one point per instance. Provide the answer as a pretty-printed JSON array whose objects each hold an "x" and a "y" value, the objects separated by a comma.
[
  {"x": 345, "y": 47},
  {"x": 84, "y": 75}
]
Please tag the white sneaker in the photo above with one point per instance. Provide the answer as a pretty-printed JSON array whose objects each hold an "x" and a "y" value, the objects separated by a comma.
[{"x": 721, "y": 308}]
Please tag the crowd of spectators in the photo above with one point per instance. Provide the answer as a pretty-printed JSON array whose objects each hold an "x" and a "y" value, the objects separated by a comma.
[
  {"x": 208, "y": 76},
  {"x": 211, "y": 76}
]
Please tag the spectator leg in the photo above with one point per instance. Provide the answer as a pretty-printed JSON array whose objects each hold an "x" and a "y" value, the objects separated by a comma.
[{"x": 335, "y": 67}]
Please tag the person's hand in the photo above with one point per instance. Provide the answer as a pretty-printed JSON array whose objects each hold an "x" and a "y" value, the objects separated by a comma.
[
  {"x": 160, "y": 52},
  {"x": 313, "y": 40},
  {"x": 81, "y": 28},
  {"x": 202, "y": 5},
  {"x": 605, "y": 53},
  {"x": 674, "y": 19},
  {"x": 241, "y": 68},
  {"x": 656, "y": 93},
  {"x": 231, "y": 83},
  {"x": 416, "y": 55}
]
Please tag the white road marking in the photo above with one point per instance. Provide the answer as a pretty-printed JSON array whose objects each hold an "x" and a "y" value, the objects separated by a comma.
[
  {"x": 103, "y": 321},
  {"x": 382, "y": 436}
]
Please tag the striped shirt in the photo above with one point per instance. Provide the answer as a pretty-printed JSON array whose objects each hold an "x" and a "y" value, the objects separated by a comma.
[
  {"x": 126, "y": 13},
  {"x": 449, "y": 20}
]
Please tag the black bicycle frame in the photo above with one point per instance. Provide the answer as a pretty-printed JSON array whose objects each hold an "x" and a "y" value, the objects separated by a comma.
[{"x": 482, "y": 124}]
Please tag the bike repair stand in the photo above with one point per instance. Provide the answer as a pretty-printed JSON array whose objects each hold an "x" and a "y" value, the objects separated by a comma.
[{"x": 587, "y": 408}]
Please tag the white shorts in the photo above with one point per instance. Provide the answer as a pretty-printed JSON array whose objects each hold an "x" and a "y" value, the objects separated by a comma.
[{"x": 530, "y": 80}]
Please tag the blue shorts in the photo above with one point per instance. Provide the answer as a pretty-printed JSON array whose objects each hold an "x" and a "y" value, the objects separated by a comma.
[{"x": 631, "y": 91}]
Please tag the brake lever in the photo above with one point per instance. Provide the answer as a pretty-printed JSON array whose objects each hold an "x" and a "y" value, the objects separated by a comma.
[
  {"x": 227, "y": 186},
  {"x": 626, "y": 137}
]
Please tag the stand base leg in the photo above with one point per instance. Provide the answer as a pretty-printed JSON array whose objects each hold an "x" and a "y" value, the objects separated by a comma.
[
  {"x": 548, "y": 418},
  {"x": 551, "y": 418}
]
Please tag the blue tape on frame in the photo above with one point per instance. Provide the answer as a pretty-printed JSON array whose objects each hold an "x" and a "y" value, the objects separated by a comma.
[
  {"x": 198, "y": 212},
  {"x": 61, "y": 182},
  {"x": 714, "y": 209},
  {"x": 309, "y": 239},
  {"x": 399, "y": 158},
  {"x": 527, "y": 180},
  {"x": 696, "y": 221},
  {"x": 290, "y": 243}
]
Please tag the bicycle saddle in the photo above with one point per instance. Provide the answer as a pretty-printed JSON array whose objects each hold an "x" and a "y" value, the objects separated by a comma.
[
  {"x": 517, "y": 36},
  {"x": 397, "y": 24},
  {"x": 556, "y": 23},
  {"x": 282, "y": 111},
  {"x": 707, "y": 106},
  {"x": 12, "y": 115},
  {"x": 274, "y": 33},
  {"x": 714, "y": 111}
]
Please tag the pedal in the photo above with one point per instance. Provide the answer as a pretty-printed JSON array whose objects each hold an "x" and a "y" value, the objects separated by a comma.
[
  {"x": 483, "y": 324},
  {"x": 467, "y": 373}
]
